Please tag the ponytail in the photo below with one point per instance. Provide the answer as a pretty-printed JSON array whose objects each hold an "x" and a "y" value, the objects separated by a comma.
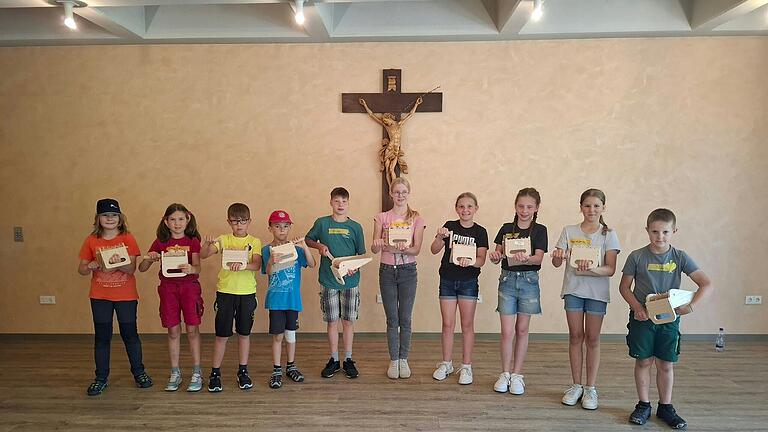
[{"x": 605, "y": 225}]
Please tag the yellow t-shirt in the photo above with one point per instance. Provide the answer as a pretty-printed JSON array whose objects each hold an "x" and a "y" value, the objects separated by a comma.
[{"x": 243, "y": 281}]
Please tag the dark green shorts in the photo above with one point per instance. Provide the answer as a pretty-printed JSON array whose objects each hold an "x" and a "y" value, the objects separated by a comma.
[{"x": 646, "y": 339}]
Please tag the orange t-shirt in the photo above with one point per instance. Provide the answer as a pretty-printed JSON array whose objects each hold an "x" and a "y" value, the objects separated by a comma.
[{"x": 116, "y": 285}]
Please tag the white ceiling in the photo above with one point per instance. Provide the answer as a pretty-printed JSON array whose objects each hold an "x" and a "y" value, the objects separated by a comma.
[{"x": 40, "y": 22}]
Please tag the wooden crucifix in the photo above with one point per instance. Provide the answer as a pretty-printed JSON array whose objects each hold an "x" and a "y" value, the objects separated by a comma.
[{"x": 391, "y": 104}]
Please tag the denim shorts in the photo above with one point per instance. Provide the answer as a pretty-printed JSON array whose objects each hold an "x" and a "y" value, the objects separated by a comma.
[
  {"x": 519, "y": 293},
  {"x": 459, "y": 290},
  {"x": 578, "y": 304}
]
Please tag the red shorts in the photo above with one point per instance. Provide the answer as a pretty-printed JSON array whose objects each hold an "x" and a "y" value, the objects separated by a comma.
[{"x": 178, "y": 297}]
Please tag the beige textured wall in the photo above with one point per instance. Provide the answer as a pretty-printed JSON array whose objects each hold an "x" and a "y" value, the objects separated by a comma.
[{"x": 653, "y": 122}]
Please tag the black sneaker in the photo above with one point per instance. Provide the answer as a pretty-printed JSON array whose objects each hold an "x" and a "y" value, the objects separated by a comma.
[
  {"x": 143, "y": 380},
  {"x": 243, "y": 380},
  {"x": 349, "y": 368},
  {"x": 640, "y": 414},
  {"x": 276, "y": 380},
  {"x": 670, "y": 417},
  {"x": 331, "y": 368},
  {"x": 214, "y": 383},
  {"x": 294, "y": 374},
  {"x": 96, "y": 388}
]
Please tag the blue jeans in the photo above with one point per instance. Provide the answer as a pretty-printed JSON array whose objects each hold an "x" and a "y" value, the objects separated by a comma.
[
  {"x": 578, "y": 304},
  {"x": 519, "y": 293},
  {"x": 102, "y": 323},
  {"x": 398, "y": 293},
  {"x": 459, "y": 290}
]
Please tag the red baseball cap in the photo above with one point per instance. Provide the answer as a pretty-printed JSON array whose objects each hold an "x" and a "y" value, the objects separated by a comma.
[{"x": 279, "y": 216}]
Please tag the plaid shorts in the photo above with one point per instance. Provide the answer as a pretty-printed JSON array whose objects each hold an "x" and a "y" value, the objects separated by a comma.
[{"x": 335, "y": 304}]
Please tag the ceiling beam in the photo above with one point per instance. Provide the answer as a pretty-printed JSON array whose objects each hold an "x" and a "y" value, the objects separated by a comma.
[
  {"x": 316, "y": 21},
  {"x": 127, "y": 23},
  {"x": 509, "y": 16},
  {"x": 707, "y": 15}
]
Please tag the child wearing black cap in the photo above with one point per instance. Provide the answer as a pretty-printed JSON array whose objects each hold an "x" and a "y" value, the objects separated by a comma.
[{"x": 113, "y": 290}]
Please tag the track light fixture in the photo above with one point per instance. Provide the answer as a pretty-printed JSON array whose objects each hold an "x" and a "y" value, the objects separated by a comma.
[
  {"x": 538, "y": 12},
  {"x": 299, "y": 16},
  {"x": 69, "y": 18},
  {"x": 69, "y": 6}
]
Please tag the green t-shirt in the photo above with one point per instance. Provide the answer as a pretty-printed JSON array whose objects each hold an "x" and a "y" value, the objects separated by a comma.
[{"x": 343, "y": 239}]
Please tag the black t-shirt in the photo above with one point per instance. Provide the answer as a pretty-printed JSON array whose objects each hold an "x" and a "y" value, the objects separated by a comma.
[
  {"x": 538, "y": 241},
  {"x": 476, "y": 235}
]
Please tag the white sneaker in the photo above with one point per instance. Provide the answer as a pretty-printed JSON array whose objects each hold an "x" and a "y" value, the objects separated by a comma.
[
  {"x": 443, "y": 370},
  {"x": 405, "y": 370},
  {"x": 394, "y": 369},
  {"x": 465, "y": 375},
  {"x": 502, "y": 384},
  {"x": 195, "y": 383},
  {"x": 173, "y": 382},
  {"x": 573, "y": 394},
  {"x": 589, "y": 401},
  {"x": 516, "y": 384}
]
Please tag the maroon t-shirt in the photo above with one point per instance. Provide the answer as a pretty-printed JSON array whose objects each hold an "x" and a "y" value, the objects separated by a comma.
[{"x": 191, "y": 245}]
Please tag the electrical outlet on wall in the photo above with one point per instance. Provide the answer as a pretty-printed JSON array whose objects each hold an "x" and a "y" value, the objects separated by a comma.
[
  {"x": 479, "y": 298},
  {"x": 378, "y": 299},
  {"x": 47, "y": 300},
  {"x": 753, "y": 300}
]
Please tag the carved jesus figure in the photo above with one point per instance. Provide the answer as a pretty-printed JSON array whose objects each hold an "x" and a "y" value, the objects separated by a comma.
[{"x": 390, "y": 153}]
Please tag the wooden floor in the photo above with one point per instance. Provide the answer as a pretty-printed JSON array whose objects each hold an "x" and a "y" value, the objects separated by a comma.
[{"x": 43, "y": 381}]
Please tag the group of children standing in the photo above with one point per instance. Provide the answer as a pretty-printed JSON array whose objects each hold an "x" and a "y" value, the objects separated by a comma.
[{"x": 656, "y": 268}]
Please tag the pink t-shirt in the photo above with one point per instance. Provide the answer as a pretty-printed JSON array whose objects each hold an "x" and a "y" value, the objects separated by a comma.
[{"x": 388, "y": 219}]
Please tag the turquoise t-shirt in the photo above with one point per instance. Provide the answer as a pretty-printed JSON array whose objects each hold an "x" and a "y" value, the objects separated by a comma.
[
  {"x": 284, "y": 292},
  {"x": 343, "y": 239}
]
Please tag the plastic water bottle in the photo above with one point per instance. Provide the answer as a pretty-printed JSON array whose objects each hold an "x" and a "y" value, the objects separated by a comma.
[{"x": 720, "y": 341}]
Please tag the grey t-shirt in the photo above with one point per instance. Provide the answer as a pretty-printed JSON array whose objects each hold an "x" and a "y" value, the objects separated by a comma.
[
  {"x": 587, "y": 287},
  {"x": 657, "y": 273}
]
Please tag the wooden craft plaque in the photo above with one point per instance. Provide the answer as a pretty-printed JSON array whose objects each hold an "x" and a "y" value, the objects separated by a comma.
[
  {"x": 286, "y": 251},
  {"x": 170, "y": 262},
  {"x": 585, "y": 253},
  {"x": 105, "y": 254},
  {"x": 229, "y": 256},
  {"x": 461, "y": 250},
  {"x": 400, "y": 234},
  {"x": 341, "y": 266},
  {"x": 661, "y": 307}
]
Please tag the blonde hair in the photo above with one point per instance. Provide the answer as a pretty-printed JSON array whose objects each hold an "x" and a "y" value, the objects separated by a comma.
[
  {"x": 469, "y": 195},
  {"x": 411, "y": 214},
  {"x": 98, "y": 230}
]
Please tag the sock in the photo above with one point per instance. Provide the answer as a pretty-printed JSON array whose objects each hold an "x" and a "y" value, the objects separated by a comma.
[
  {"x": 242, "y": 369},
  {"x": 663, "y": 406},
  {"x": 196, "y": 370},
  {"x": 290, "y": 365},
  {"x": 335, "y": 356},
  {"x": 277, "y": 368},
  {"x": 468, "y": 366},
  {"x": 216, "y": 371},
  {"x": 644, "y": 403},
  {"x": 175, "y": 369},
  {"x": 347, "y": 354}
]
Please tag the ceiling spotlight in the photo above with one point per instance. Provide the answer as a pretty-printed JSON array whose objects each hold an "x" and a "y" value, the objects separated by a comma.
[
  {"x": 299, "y": 17},
  {"x": 69, "y": 19},
  {"x": 538, "y": 12}
]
